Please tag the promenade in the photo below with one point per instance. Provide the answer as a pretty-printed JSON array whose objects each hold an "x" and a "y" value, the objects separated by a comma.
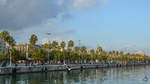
[{"x": 46, "y": 68}]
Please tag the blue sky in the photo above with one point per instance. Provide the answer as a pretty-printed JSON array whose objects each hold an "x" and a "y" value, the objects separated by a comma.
[{"x": 115, "y": 24}]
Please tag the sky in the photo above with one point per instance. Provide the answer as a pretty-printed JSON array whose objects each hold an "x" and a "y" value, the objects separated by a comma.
[{"x": 113, "y": 24}]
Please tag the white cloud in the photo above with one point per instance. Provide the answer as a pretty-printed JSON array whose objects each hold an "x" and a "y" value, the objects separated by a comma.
[
  {"x": 88, "y": 3},
  {"x": 21, "y": 14}
]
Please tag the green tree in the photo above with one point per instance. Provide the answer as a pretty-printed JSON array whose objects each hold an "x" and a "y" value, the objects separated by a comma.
[
  {"x": 63, "y": 44},
  {"x": 5, "y": 36},
  {"x": 92, "y": 53},
  {"x": 15, "y": 54},
  {"x": 83, "y": 52},
  {"x": 113, "y": 53},
  {"x": 76, "y": 49},
  {"x": 2, "y": 56},
  {"x": 33, "y": 40},
  {"x": 76, "y": 53},
  {"x": 70, "y": 44},
  {"x": 11, "y": 41},
  {"x": 99, "y": 50},
  {"x": 117, "y": 53},
  {"x": 121, "y": 53},
  {"x": 54, "y": 44},
  {"x": 39, "y": 55}
]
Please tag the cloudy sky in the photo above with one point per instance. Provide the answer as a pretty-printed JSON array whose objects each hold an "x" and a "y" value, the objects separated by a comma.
[{"x": 113, "y": 24}]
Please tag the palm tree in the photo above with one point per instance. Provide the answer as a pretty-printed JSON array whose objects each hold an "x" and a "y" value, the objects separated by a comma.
[
  {"x": 33, "y": 40},
  {"x": 92, "y": 53},
  {"x": 63, "y": 44},
  {"x": 110, "y": 56},
  {"x": 83, "y": 51},
  {"x": 117, "y": 53},
  {"x": 2, "y": 55},
  {"x": 121, "y": 53},
  {"x": 15, "y": 54},
  {"x": 11, "y": 41},
  {"x": 70, "y": 44},
  {"x": 76, "y": 49},
  {"x": 104, "y": 56},
  {"x": 54, "y": 45},
  {"x": 99, "y": 50},
  {"x": 4, "y": 36},
  {"x": 110, "y": 53},
  {"x": 113, "y": 53}
]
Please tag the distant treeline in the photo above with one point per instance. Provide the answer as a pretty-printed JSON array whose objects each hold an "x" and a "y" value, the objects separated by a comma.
[{"x": 55, "y": 52}]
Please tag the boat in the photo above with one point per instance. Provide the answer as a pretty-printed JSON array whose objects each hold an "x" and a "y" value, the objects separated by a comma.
[
  {"x": 145, "y": 78},
  {"x": 68, "y": 68}
]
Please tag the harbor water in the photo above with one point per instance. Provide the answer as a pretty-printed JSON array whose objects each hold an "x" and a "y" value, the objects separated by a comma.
[{"x": 123, "y": 75}]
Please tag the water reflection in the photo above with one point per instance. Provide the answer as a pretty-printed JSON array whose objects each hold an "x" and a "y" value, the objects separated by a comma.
[{"x": 127, "y": 75}]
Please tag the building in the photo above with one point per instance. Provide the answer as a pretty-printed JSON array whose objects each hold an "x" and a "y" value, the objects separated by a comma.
[
  {"x": 23, "y": 47},
  {"x": 140, "y": 53},
  {"x": 20, "y": 47}
]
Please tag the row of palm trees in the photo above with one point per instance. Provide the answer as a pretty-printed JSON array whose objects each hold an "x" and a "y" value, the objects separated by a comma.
[{"x": 55, "y": 52}]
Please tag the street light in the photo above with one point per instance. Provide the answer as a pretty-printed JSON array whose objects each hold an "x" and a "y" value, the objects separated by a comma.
[
  {"x": 80, "y": 52},
  {"x": 48, "y": 50},
  {"x": 27, "y": 53},
  {"x": 10, "y": 57},
  {"x": 9, "y": 53}
]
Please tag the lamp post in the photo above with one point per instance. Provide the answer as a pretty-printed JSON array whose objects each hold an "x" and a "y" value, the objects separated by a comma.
[
  {"x": 27, "y": 53},
  {"x": 48, "y": 50},
  {"x": 80, "y": 52},
  {"x": 9, "y": 54},
  {"x": 10, "y": 57}
]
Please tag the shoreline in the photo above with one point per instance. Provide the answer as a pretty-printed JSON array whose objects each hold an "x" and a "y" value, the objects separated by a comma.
[{"x": 48, "y": 68}]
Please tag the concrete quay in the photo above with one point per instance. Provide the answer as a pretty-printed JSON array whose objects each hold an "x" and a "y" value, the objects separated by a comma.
[{"x": 46, "y": 68}]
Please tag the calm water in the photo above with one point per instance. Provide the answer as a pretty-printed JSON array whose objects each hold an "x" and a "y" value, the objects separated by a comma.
[{"x": 128, "y": 75}]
